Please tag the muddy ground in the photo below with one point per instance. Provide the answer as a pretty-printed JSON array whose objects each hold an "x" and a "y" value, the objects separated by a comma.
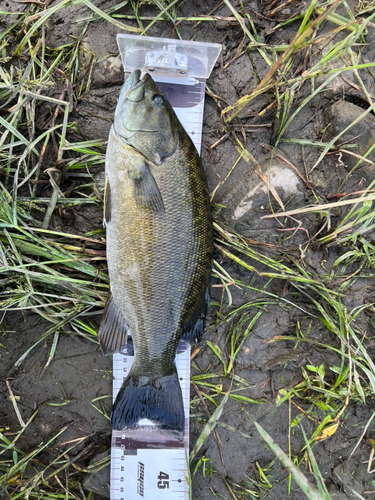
[{"x": 79, "y": 372}]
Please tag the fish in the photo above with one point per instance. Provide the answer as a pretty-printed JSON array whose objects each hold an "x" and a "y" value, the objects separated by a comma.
[{"x": 159, "y": 235}]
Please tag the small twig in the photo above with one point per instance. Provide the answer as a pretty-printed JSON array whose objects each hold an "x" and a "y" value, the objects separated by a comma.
[
  {"x": 230, "y": 489},
  {"x": 194, "y": 353},
  {"x": 14, "y": 402},
  {"x": 370, "y": 461},
  {"x": 218, "y": 142},
  {"x": 319, "y": 208},
  {"x": 237, "y": 54},
  {"x": 279, "y": 7},
  {"x": 217, "y": 6},
  {"x": 342, "y": 195},
  {"x": 63, "y": 487},
  {"x": 356, "y": 155}
]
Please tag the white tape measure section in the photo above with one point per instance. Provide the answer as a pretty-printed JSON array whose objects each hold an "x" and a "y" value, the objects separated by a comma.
[
  {"x": 145, "y": 475},
  {"x": 145, "y": 462},
  {"x": 192, "y": 121},
  {"x": 188, "y": 104}
]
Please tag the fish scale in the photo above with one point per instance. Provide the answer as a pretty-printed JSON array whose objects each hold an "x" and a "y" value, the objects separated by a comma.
[{"x": 145, "y": 462}]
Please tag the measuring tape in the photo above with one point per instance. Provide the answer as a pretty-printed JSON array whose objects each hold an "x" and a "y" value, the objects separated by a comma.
[{"x": 145, "y": 462}]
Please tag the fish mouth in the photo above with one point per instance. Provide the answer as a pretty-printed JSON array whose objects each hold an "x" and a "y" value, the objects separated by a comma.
[
  {"x": 132, "y": 80},
  {"x": 132, "y": 91},
  {"x": 136, "y": 90}
]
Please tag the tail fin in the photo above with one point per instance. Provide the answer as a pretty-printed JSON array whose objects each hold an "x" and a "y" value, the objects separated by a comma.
[{"x": 157, "y": 398}]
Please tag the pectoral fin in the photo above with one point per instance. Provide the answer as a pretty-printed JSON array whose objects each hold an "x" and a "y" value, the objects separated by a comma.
[
  {"x": 107, "y": 202},
  {"x": 146, "y": 191},
  {"x": 113, "y": 330}
]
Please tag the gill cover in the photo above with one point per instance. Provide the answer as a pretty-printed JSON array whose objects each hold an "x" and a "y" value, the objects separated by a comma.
[{"x": 145, "y": 120}]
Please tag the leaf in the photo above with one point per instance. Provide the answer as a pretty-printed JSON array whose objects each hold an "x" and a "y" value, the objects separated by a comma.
[
  {"x": 321, "y": 371},
  {"x": 311, "y": 368},
  {"x": 327, "y": 432},
  {"x": 209, "y": 427},
  {"x": 317, "y": 474},
  {"x": 297, "y": 420},
  {"x": 358, "y": 385}
]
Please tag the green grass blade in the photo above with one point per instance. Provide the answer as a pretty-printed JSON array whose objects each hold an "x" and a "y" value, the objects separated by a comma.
[
  {"x": 209, "y": 427},
  {"x": 308, "y": 488}
]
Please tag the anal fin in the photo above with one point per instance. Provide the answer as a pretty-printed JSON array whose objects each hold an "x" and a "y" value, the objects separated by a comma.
[
  {"x": 113, "y": 330},
  {"x": 192, "y": 329}
]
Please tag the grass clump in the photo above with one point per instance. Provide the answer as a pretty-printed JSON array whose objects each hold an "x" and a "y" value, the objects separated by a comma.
[{"x": 46, "y": 267}]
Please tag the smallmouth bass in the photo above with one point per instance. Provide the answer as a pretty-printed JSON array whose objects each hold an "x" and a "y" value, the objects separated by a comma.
[{"x": 159, "y": 251}]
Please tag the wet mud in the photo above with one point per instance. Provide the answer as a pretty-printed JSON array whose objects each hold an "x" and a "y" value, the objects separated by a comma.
[{"x": 68, "y": 394}]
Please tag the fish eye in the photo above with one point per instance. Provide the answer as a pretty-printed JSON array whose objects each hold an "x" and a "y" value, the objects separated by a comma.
[{"x": 158, "y": 99}]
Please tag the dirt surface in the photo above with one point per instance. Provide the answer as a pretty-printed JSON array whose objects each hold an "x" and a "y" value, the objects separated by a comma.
[{"x": 63, "y": 393}]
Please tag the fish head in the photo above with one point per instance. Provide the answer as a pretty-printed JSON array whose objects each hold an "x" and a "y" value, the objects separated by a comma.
[{"x": 145, "y": 120}]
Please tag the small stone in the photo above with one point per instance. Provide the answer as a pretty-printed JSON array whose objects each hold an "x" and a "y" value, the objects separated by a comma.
[
  {"x": 108, "y": 70},
  {"x": 283, "y": 179},
  {"x": 99, "y": 482},
  {"x": 250, "y": 194},
  {"x": 338, "y": 117},
  {"x": 347, "y": 479}
]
